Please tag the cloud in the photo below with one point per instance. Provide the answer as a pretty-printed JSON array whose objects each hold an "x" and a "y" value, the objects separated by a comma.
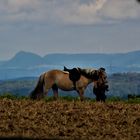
[
  {"x": 67, "y": 12},
  {"x": 121, "y": 9},
  {"x": 80, "y": 13}
]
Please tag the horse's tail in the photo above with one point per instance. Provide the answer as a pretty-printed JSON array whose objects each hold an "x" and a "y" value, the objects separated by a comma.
[{"x": 38, "y": 91}]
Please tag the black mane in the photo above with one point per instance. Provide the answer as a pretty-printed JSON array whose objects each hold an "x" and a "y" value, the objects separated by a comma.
[{"x": 89, "y": 73}]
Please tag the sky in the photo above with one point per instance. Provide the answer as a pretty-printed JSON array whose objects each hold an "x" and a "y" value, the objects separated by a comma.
[{"x": 68, "y": 26}]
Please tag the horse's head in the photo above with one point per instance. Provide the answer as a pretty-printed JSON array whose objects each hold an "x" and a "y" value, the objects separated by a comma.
[
  {"x": 101, "y": 85},
  {"x": 101, "y": 82}
]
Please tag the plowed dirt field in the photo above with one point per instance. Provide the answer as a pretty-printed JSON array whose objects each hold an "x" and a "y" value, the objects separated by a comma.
[{"x": 69, "y": 120}]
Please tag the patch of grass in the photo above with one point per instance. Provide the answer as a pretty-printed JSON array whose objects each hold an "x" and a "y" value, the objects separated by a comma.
[
  {"x": 48, "y": 99},
  {"x": 114, "y": 99},
  {"x": 8, "y": 96},
  {"x": 23, "y": 97},
  {"x": 12, "y": 96},
  {"x": 69, "y": 98},
  {"x": 66, "y": 98},
  {"x": 134, "y": 100}
]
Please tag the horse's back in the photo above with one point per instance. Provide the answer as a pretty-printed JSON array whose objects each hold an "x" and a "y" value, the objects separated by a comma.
[
  {"x": 59, "y": 78},
  {"x": 56, "y": 75},
  {"x": 56, "y": 72}
]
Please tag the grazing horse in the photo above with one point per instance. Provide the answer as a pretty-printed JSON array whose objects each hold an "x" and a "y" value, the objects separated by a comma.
[
  {"x": 58, "y": 79},
  {"x": 100, "y": 84}
]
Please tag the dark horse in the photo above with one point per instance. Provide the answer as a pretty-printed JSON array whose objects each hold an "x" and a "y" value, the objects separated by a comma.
[{"x": 58, "y": 79}]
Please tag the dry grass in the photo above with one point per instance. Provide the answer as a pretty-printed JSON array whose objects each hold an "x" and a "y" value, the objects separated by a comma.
[{"x": 64, "y": 119}]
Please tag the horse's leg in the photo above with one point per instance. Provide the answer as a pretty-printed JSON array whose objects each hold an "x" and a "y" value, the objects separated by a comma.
[
  {"x": 95, "y": 91},
  {"x": 47, "y": 87},
  {"x": 100, "y": 94},
  {"x": 97, "y": 94},
  {"x": 98, "y": 98},
  {"x": 103, "y": 96},
  {"x": 40, "y": 95},
  {"x": 46, "y": 91},
  {"x": 55, "y": 91},
  {"x": 81, "y": 93}
]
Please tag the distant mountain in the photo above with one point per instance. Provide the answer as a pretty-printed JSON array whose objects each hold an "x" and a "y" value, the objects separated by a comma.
[
  {"x": 26, "y": 64},
  {"x": 23, "y": 60},
  {"x": 82, "y": 60},
  {"x": 118, "y": 59}
]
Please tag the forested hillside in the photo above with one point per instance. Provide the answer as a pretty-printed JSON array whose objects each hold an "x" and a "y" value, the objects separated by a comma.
[{"x": 122, "y": 84}]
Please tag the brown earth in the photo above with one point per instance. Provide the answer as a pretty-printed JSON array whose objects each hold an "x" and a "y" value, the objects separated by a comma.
[{"x": 69, "y": 120}]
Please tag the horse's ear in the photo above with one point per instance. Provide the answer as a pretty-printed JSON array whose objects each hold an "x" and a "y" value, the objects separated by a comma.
[
  {"x": 103, "y": 69},
  {"x": 65, "y": 68},
  {"x": 79, "y": 69}
]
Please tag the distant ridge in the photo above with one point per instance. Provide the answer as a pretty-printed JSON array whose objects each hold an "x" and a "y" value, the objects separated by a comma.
[
  {"x": 24, "y": 59},
  {"x": 26, "y": 64}
]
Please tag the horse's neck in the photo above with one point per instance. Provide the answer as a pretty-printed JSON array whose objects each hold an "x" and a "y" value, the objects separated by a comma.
[
  {"x": 89, "y": 70},
  {"x": 90, "y": 81},
  {"x": 88, "y": 73},
  {"x": 86, "y": 80}
]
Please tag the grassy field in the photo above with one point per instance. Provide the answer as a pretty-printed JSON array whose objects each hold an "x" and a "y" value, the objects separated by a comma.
[{"x": 69, "y": 119}]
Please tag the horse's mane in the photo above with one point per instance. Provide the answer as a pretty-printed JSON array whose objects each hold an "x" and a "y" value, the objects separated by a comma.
[{"x": 89, "y": 73}]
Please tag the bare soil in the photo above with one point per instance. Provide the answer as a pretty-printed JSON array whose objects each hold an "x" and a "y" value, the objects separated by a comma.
[{"x": 69, "y": 120}]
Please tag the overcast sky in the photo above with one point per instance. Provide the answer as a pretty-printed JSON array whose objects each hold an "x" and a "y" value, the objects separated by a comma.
[{"x": 68, "y": 26}]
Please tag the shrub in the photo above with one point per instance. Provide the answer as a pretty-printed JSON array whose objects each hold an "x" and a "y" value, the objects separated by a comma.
[
  {"x": 134, "y": 100},
  {"x": 8, "y": 96},
  {"x": 114, "y": 99}
]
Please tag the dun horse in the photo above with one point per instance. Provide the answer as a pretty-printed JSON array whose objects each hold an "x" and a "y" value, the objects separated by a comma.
[{"x": 58, "y": 79}]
